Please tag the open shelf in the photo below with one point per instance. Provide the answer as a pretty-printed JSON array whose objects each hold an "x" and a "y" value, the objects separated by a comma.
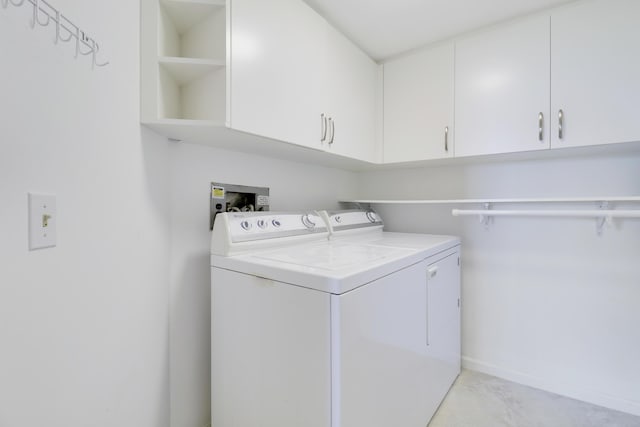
[
  {"x": 476, "y": 201},
  {"x": 186, "y": 70},
  {"x": 184, "y": 58},
  {"x": 186, "y": 92},
  {"x": 185, "y": 14},
  {"x": 192, "y": 29}
]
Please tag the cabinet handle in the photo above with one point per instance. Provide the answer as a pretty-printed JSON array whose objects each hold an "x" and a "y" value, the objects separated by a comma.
[
  {"x": 323, "y": 127},
  {"x": 333, "y": 130},
  {"x": 540, "y": 127},
  {"x": 560, "y": 120},
  {"x": 431, "y": 273},
  {"x": 446, "y": 139}
]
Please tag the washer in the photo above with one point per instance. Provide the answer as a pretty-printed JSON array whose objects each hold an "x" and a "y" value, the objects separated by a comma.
[{"x": 322, "y": 319}]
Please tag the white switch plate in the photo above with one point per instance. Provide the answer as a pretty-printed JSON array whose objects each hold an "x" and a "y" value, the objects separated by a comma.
[{"x": 42, "y": 221}]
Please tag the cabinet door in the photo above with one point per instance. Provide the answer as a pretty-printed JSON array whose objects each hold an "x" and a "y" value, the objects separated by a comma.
[
  {"x": 502, "y": 87},
  {"x": 595, "y": 62},
  {"x": 351, "y": 87},
  {"x": 443, "y": 313},
  {"x": 277, "y": 67},
  {"x": 418, "y": 106}
]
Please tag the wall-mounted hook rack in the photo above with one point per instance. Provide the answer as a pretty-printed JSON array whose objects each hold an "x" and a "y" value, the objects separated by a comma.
[{"x": 44, "y": 14}]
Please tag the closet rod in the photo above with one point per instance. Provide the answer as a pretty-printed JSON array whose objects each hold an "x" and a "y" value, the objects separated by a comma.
[{"x": 609, "y": 213}]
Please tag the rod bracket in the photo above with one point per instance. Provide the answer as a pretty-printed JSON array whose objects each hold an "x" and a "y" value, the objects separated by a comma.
[
  {"x": 601, "y": 221},
  {"x": 486, "y": 220}
]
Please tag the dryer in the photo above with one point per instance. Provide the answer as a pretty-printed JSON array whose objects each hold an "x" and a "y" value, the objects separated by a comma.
[{"x": 323, "y": 319}]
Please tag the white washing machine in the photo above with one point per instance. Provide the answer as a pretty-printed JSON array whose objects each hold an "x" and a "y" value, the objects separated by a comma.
[{"x": 322, "y": 319}]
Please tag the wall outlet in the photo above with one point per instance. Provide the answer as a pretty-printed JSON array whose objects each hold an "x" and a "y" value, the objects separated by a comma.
[{"x": 42, "y": 221}]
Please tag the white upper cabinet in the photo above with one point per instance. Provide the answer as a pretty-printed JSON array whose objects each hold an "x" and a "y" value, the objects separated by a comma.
[
  {"x": 502, "y": 89},
  {"x": 595, "y": 74},
  {"x": 296, "y": 79},
  {"x": 277, "y": 70},
  {"x": 350, "y": 84},
  {"x": 418, "y": 105}
]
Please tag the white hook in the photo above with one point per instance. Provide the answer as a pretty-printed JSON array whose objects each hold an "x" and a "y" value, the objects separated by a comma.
[
  {"x": 85, "y": 41},
  {"x": 45, "y": 24},
  {"x": 95, "y": 61},
  {"x": 57, "y": 38},
  {"x": 36, "y": 15},
  {"x": 36, "y": 10},
  {"x": 77, "y": 36},
  {"x": 59, "y": 34}
]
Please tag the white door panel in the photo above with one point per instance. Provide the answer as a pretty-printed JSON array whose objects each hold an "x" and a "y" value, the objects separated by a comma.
[
  {"x": 351, "y": 84},
  {"x": 502, "y": 85},
  {"x": 595, "y": 49},
  {"x": 418, "y": 105},
  {"x": 278, "y": 57}
]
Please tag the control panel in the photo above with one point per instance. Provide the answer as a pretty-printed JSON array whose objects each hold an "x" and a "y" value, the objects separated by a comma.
[
  {"x": 350, "y": 219},
  {"x": 247, "y": 226}
]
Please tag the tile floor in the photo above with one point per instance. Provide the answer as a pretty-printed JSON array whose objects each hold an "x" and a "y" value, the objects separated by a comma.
[{"x": 479, "y": 400}]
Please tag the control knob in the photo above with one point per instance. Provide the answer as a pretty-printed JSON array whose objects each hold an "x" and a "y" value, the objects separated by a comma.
[
  {"x": 371, "y": 216},
  {"x": 308, "y": 222}
]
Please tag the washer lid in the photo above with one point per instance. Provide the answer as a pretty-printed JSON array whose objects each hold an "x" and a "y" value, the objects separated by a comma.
[
  {"x": 334, "y": 256},
  {"x": 330, "y": 266}
]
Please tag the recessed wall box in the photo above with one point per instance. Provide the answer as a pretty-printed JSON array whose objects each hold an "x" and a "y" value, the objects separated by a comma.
[{"x": 238, "y": 198}]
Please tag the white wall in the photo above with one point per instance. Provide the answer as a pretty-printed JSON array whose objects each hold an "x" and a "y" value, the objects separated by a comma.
[
  {"x": 293, "y": 186},
  {"x": 546, "y": 302},
  {"x": 83, "y": 326}
]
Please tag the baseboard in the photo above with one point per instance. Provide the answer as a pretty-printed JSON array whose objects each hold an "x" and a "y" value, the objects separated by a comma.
[{"x": 568, "y": 390}]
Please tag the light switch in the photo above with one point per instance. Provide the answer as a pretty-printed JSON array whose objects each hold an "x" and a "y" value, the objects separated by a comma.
[{"x": 42, "y": 221}]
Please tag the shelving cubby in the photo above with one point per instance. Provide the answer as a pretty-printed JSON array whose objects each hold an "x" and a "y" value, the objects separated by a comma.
[{"x": 187, "y": 69}]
